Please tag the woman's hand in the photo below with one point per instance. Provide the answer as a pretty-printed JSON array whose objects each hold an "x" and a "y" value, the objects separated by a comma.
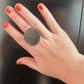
[{"x": 55, "y": 55}]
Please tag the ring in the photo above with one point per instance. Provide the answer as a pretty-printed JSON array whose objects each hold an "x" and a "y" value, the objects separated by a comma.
[{"x": 32, "y": 36}]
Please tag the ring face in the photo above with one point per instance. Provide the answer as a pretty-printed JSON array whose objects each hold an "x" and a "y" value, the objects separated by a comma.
[{"x": 32, "y": 36}]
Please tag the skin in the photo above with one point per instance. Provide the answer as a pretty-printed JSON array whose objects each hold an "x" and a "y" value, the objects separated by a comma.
[{"x": 55, "y": 55}]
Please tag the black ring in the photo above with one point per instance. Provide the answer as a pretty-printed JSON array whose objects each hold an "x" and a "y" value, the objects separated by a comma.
[{"x": 32, "y": 36}]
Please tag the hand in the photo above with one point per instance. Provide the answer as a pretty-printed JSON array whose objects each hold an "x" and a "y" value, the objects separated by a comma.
[{"x": 55, "y": 55}]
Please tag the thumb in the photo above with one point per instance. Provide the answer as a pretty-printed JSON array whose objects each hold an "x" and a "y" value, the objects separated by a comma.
[{"x": 28, "y": 61}]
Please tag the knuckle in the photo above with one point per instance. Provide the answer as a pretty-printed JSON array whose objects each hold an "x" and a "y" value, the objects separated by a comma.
[
  {"x": 35, "y": 24},
  {"x": 43, "y": 43},
  {"x": 25, "y": 26},
  {"x": 53, "y": 37},
  {"x": 52, "y": 23},
  {"x": 18, "y": 39},
  {"x": 14, "y": 17}
]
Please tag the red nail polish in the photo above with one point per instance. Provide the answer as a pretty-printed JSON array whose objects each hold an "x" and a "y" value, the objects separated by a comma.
[
  {"x": 8, "y": 9},
  {"x": 5, "y": 25},
  {"x": 40, "y": 7},
  {"x": 19, "y": 63},
  {"x": 18, "y": 7}
]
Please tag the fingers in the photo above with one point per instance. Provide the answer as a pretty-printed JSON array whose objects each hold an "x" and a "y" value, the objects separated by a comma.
[
  {"x": 16, "y": 35},
  {"x": 51, "y": 22},
  {"x": 28, "y": 61},
  {"x": 19, "y": 38},
  {"x": 21, "y": 23},
  {"x": 32, "y": 20}
]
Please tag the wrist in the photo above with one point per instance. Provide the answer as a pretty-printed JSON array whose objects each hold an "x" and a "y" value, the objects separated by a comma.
[{"x": 78, "y": 77}]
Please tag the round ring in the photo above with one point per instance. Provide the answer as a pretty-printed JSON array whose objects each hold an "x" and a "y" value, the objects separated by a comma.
[{"x": 32, "y": 36}]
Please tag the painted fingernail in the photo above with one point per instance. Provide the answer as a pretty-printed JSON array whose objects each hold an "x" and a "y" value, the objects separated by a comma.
[
  {"x": 40, "y": 7},
  {"x": 5, "y": 25},
  {"x": 8, "y": 9},
  {"x": 18, "y": 7},
  {"x": 19, "y": 63}
]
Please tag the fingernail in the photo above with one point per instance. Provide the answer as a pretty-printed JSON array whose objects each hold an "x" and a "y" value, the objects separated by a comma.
[
  {"x": 19, "y": 63},
  {"x": 8, "y": 9},
  {"x": 18, "y": 7},
  {"x": 40, "y": 7},
  {"x": 5, "y": 25}
]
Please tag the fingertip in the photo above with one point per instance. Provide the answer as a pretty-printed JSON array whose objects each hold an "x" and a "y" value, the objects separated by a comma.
[
  {"x": 40, "y": 6},
  {"x": 19, "y": 62},
  {"x": 18, "y": 7},
  {"x": 8, "y": 9},
  {"x": 5, "y": 25}
]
